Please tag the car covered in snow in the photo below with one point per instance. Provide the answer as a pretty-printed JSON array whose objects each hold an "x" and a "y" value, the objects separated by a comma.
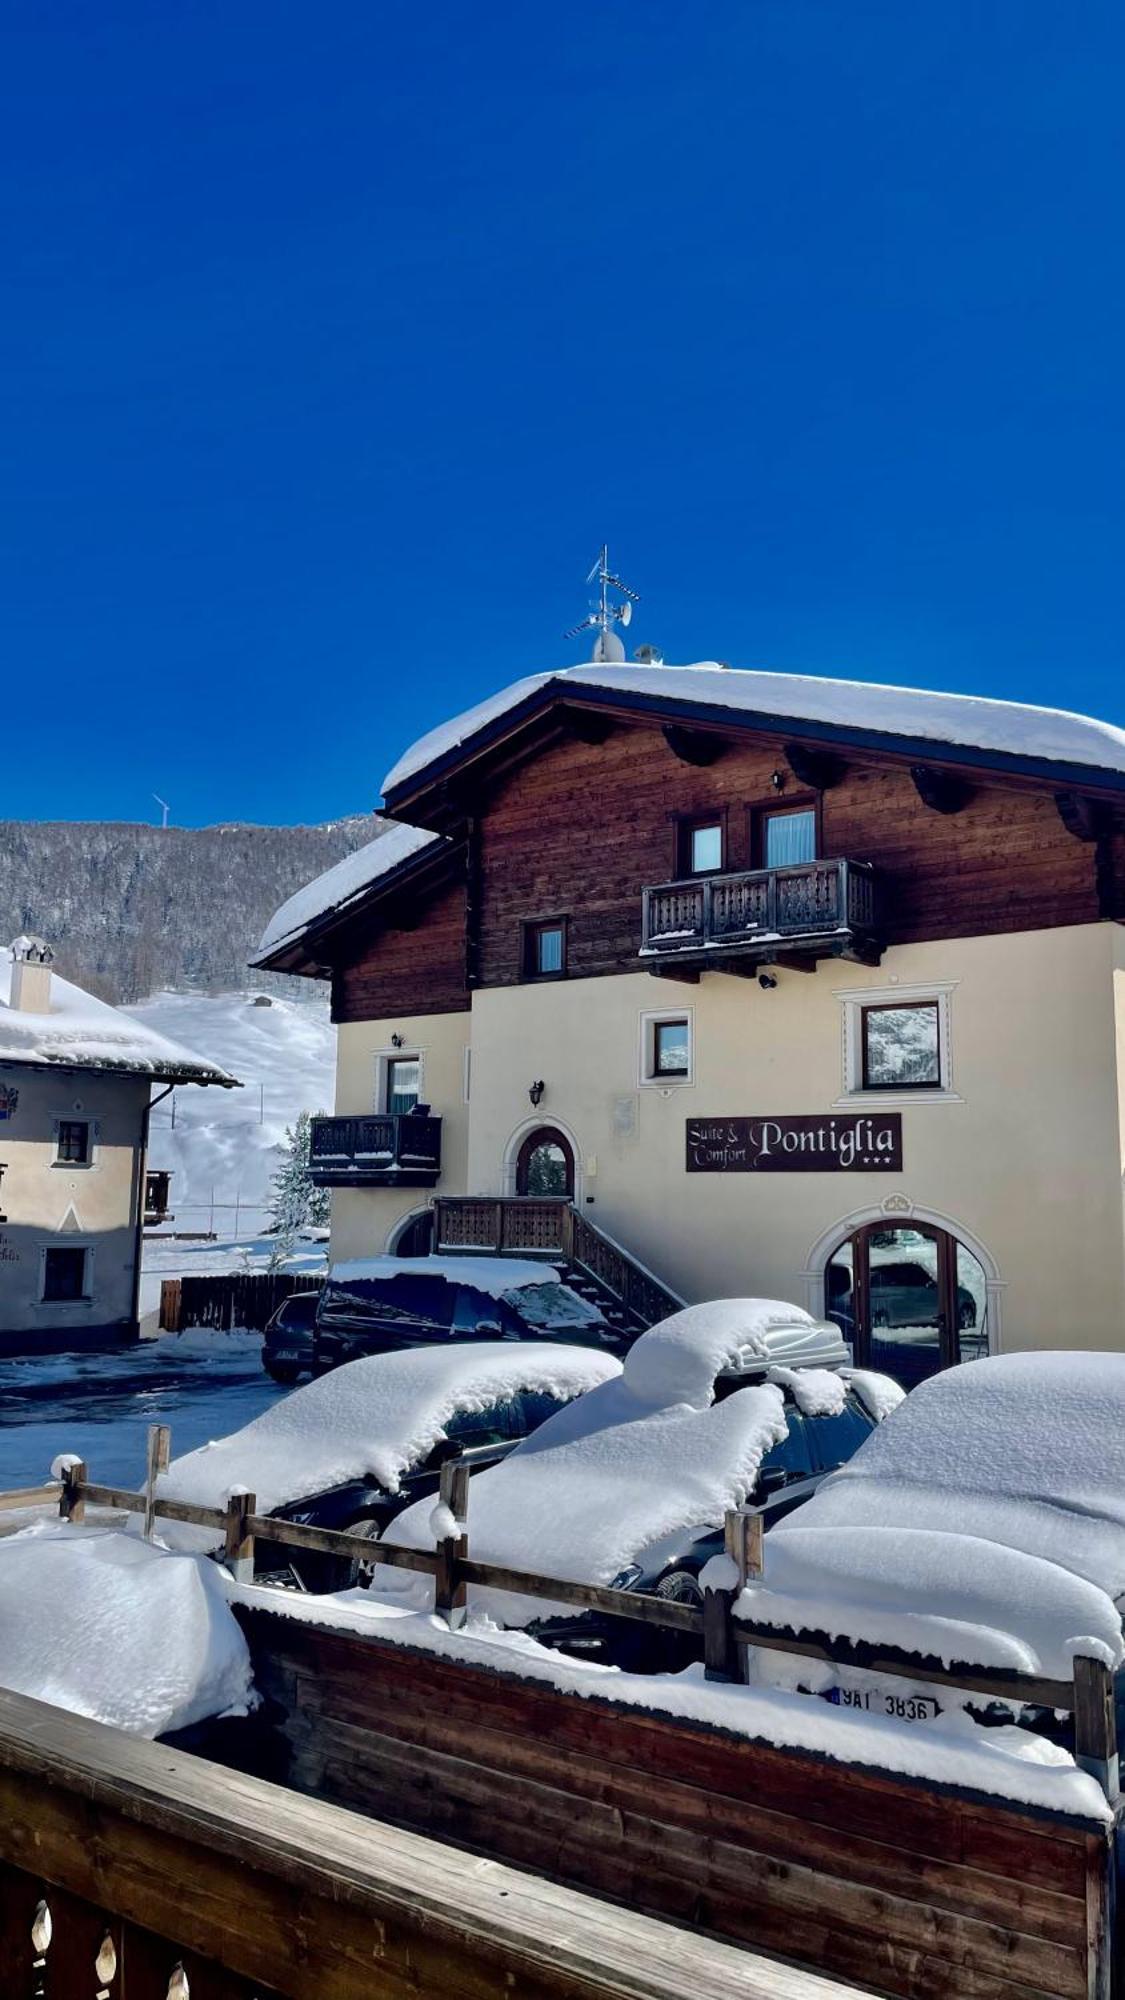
[
  {"x": 352, "y": 1449},
  {"x": 288, "y": 1340},
  {"x": 373, "y": 1305},
  {"x": 733, "y": 1402}
]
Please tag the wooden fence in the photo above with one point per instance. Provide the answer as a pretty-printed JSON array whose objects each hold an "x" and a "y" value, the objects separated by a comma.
[
  {"x": 232, "y": 1299},
  {"x": 131, "y": 1871}
]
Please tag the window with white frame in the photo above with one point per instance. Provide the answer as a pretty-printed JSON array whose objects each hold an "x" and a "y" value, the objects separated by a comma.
[
  {"x": 897, "y": 1043},
  {"x": 399, "y": 1080},
  {"x": 666, "y": 1055}
]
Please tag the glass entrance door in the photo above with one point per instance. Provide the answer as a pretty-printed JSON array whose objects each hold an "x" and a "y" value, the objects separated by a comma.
[{"x": 910, "y": 1298}]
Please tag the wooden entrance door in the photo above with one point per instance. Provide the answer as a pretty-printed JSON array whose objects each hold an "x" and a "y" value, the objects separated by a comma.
[{"x": 910, "y": 1297}]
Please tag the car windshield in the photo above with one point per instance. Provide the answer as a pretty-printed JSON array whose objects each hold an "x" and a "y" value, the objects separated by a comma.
[
  {"x": 297, "y": 1314},
  {"x": 551, "y": 1305}
]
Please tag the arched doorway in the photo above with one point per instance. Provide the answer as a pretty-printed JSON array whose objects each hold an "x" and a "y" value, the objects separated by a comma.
[
  {"x": 910, "y": 1297},
  {"x": 412, "y": 1235},
  {"x": 545, "y": 1164}
]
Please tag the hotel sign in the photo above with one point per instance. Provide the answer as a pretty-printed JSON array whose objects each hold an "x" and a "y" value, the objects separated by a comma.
[{"x": 867, "y": 1143}]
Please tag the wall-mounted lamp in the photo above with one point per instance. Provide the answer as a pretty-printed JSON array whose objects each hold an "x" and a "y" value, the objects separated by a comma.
[
  {"x": 778, "y": 781},
  {"x": 767, "y": 981},
  {"x": 536, "y": 1092},
  {"x": 397, "y": 1041}
]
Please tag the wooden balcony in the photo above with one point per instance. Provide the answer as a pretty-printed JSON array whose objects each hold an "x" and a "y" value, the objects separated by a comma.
[
  {"x": 384, "y": 1150},
  {"x": 784, "y": 916}
]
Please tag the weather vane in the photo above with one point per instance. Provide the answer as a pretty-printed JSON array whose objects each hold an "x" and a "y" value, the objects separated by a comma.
[{"x": 603, "y": 615}]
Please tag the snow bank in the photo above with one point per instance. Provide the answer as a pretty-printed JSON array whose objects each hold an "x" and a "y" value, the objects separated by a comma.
[
  {"x": 974, "y": 721},
  {"x": 81, "y": 1032},
  {"x": 585, "y": 1508},
  {"x": 374, "y": 1419},
  {"x": 343, "y": 883},
  {"x": 953, "y": 1750},
  {"x": 108, "y": 1626}
]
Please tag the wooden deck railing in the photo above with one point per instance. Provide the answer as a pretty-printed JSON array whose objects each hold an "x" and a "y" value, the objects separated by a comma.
[
  {"x": 835, "y": 902},
  {"x": 131, "y": 1871},
  {"x": 529, "y": 1225},
  {"x": 726, "y": 1636},
  {"x": 391, "y": 1149}
]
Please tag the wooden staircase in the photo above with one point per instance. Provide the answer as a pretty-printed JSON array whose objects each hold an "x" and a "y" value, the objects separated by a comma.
[{"x": 628, "y": 1296}]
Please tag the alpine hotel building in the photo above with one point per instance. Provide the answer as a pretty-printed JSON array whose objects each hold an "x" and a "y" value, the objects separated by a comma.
[{"x": 791, "y": 987}]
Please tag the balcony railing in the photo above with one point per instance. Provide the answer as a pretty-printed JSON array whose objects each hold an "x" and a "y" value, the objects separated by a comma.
[
  {"x": 384, "y": 1150},
  {"x": 812, "y": 909}
]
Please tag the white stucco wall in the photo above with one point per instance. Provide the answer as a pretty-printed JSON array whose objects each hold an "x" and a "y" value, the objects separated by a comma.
[
  {"x": 46, "y": 1202},
  {"x": 363, "y": 1219}
]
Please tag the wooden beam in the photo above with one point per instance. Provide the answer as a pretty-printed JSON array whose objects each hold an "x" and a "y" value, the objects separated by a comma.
[
  {"x": 686, "y": 974},
  {"x": 694, "y": 746},
  {"x": 819, "y": 769},
  {"x": 940, "y": 790},
  {"x": 589, "y": 725},
  {"x": 1085, "y": 818},
  {"x": 793, "y": 961}
]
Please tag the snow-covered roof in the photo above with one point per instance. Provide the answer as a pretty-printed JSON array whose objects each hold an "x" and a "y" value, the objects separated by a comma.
[
  {"x": 80, "y": 1032},
  {"x": 331, "y": 893},
  {"x": 976, "y": 722},
  {"x": 119, "y": 1629},
  {"x": 985, "y": 1523},
  {"x": 375, "y": 1418}
]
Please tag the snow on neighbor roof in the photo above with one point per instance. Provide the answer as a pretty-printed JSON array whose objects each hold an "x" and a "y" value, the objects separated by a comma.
[
  {"x": 970, "y": 721},
  {"x": 375, "y": 1418},
  {"x": 330, "y": 894},
  {"x": 80, "y": 1032},
  {"x": 984, "y": 1524},
  {"x": 109, "y": 1626}
]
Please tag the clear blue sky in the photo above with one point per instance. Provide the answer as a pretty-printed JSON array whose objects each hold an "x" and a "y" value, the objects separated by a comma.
[{"x": 333, "y": 340}]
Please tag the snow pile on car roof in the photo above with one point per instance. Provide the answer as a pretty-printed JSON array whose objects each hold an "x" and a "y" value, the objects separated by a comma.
[
  {"x": 493, "y": 1275},
  {"x": 975, "y": 721},
  {"x": 985, "y": 1525},
  {"x": 677, "y": 1360},
  {"x": 375, "y": 1418},
  {"x": 109, "y": 1626}
]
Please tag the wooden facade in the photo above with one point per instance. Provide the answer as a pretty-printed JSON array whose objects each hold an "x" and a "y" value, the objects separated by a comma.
[
  {"x": 897, "y": 1884},
  {"x": 580, "y": 829}
]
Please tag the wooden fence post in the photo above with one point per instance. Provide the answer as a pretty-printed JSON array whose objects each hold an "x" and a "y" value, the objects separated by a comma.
[
  {"x": 450, "y": 1593},
  {"x": 72, "y": 1500},
  {"x": 723, "y": 1658},
  {"x": 1095, "y": 1724},
  {"x": 158, "y": 1459},
  {"x": 238, "y": 1542}
]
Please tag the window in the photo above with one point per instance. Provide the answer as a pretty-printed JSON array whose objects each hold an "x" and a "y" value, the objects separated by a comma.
[
  {"x": 902, "y": 1046},
  {"x": 544, "y": 949},
  {"x": 787, "y": 837},
  {"x": 404, "y": 1083},
  {"x": 669, "y": 1048},
  {"x": 700, "y": 845},
  {"x": 64, "y": 1274},
  {"x": 545, "y": 1165},
  {"x": 73, "y": 1142}
]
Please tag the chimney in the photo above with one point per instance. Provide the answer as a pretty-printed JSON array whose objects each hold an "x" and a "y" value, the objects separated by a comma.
[{"x": 31, "y": 976}]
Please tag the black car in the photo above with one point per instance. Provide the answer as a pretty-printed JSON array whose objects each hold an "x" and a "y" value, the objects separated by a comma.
[
  {"x": 388, "y": 1303},
  {"x": 790, "y": 1473},
  {"x": 475, "y": 1437},
  {"x": 287, "y": 1343}
]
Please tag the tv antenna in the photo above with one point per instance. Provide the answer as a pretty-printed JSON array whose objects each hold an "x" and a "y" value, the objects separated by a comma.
[
  {"x": 603, "y": 615},
  {"x": 164, "y": 807}
]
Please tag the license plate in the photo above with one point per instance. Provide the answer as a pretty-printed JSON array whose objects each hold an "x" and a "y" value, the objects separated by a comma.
[
  {"x": 900, "y": 1707},
  {"x": 285, "y": 1354}
]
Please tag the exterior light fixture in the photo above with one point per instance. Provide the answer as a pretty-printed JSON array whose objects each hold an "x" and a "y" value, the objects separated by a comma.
[
  {"x": 767, "y": 981},
  {"x": 535, "y": 1092},
  {"x": 778, "y": 781},
  {"x": 396, "y": 1041}
]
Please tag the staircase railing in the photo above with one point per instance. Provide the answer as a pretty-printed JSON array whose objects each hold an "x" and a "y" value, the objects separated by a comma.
[{"x": 544, "y": 1226}]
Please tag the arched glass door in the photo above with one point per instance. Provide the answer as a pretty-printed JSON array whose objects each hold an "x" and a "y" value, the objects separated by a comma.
[
  {"x": 546, "y": 1164},
  {"x": 910, "y": 1298}
]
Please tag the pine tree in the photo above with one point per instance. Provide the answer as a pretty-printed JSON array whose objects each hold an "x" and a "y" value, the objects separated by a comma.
[{"x": 295, "y": 1204}]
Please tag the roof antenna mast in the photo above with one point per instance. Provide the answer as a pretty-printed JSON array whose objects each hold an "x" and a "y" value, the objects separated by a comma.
[{"x": 604, "y": 615}]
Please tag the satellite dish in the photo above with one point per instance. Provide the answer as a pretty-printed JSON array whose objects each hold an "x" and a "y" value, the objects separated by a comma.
[{"x": 625, "y": 613}]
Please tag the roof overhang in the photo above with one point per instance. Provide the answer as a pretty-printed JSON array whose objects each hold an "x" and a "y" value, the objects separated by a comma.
[{"x": 313, "y": 952}]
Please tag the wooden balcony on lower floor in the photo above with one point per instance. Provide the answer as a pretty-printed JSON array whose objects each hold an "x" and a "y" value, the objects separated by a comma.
[
  {"x": 793, "y": 915},
  {"x": 390, "y": 1149}
]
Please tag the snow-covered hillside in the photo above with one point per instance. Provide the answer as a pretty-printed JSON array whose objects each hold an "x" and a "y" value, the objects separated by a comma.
[{"x": 223, "y": 1146}]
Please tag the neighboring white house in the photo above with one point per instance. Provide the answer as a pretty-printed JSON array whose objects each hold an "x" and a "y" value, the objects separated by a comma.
[{"x": 76, "y": 1084}]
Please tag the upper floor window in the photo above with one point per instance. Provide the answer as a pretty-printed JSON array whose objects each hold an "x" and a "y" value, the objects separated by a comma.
[
  {"x": 700, "y": 847},
  {"x": 64, "y": 1273},
  {"x": 787, "y": 836},
  {"x": 901, "y": 1046},
  {"x": 73, "y": 1145},
  {"x": 670, "y": 1048},
  {"x": 404, "y": 1083},
  {"x": 544, "y": 949}
]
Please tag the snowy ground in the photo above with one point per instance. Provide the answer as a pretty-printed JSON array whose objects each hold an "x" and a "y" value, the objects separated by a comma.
[
  {"x": 223, "y": 1146},
  {"x": 99, "y": 1406},
  {"x": 166, "y": 1257}
]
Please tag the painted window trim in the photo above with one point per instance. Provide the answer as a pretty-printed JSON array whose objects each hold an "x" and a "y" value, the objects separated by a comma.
[
  {"x": 853, "y": 1001},
  {"x": 647, "y": 1047},
  {"x": 89, "y": 1296},
  {"x": 383, "y": 1059},
  {"x": 93, "y": 1145}
]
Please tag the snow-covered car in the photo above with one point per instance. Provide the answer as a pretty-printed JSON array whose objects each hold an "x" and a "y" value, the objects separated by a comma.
[
  {"x": 984, "y": 1527},
  {"x": 355, "y": 1447},
  {"x": 723, "y": 1402},
  {"x": 373, "y": 1305},
  {"x": 288, "y": 1340}
]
